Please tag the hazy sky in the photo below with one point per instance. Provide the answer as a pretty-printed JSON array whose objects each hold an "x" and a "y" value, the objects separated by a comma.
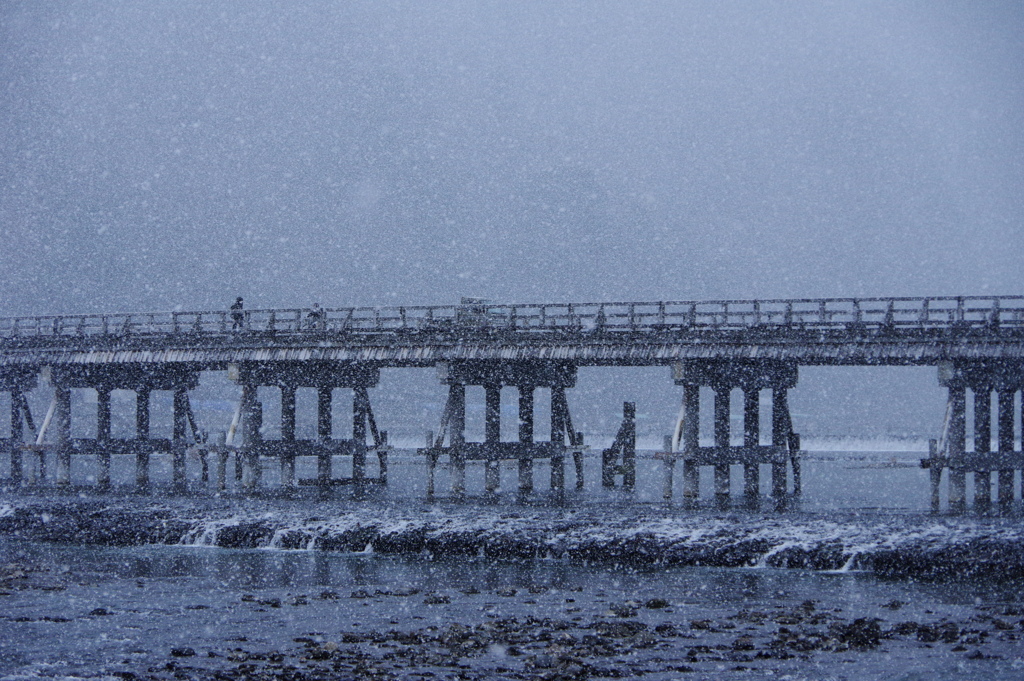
[
  {"x": 165, "y": 154},
  {"x": 176, "y": 154}
]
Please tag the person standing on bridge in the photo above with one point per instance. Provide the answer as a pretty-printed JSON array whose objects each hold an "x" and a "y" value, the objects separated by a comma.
[
  {"x": 316, "y": 314},
  {"x": 237, "y": 316}
]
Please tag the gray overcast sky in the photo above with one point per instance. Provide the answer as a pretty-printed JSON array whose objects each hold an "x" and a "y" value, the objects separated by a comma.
[
  {"x": 163, "y": 154},
  {"x": 177, "y": 154}
]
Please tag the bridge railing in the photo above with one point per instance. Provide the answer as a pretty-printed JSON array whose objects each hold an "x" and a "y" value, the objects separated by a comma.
[{"x": 939, "y": 312}]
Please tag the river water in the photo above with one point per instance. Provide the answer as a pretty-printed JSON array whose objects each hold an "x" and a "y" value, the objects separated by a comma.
[{"x": 855, "y": 581}]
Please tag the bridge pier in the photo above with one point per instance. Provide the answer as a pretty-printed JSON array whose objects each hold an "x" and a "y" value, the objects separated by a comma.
[
  {"x": 983, "y": 378},
  {"x": 324, "y": 377},
  {"x": 16, "y": 382},
  {"x": 750, "y": 376},
  {"x": 526, "y": 377}
]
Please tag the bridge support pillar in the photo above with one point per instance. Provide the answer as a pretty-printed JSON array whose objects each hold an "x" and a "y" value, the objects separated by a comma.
[
  {"x": 17, "y": 382},
  {"x": 323, "y": 432},
  {"x": 957, "y": 448},
  {"x": 983, "y": 377},
  {"x": 1005, "y": 440},
  {"x": 691, "y": 442},
  {"x": 103, "y": 436},
  {"x": 288, "y": 436},
  {"x": 492, "y": 376},
  {"x": 62, "y": 425},
  {"x": 252, "y": 417},
  {"x": 526, "y": 437},
  {"x": 457, "y": 402},
  {"x": 722, "y": 442},
  {"x": 17, "y": 437},
  {"x": 142, "y": 395},
  {"x": 750, "y": 376},
  {"x": 492, "y": 436},
  {"x": 751, "y": 439},
  {"x": 780, "y": 408},
  {"x": 983, "y": 446},
  {"x": 179, "y": 419}
]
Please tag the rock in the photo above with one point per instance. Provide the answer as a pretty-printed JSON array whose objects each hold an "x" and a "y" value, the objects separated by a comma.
[
  {"x": 437, "y": 599},
  {"x": 183, "y": 652},
  {"x": 861, "y": 633},
  {"x": 624, "y": 610},
  {"x": 656, "y": 604},
  {"x": 743, "y": 643},
  {"x": 702, "y": 625},
  {"x": 100, "y": 612},
  {"x": 329, "y": 596},
  {"x": 619, "y": 629}
]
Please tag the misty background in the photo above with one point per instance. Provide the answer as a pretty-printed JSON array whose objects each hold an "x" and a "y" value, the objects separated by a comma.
[{"x": 163, "y": 155}]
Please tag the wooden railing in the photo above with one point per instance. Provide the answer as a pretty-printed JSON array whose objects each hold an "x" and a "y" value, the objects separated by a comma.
[{"x": 825, "y": 313}]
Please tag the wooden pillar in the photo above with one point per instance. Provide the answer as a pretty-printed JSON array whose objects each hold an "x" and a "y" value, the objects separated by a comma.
[
  {"x": 1005, "y": 435},
  {"x": 691, "y": 441},
  {"x": 251, "y": 417},
  {"x": 983, "y": 445},
  {"x": 103, "y": 437},
  {"x": 670, "y": 469},
  {"x": 288, "y": 435},
  {"x": 17, "y": 436},
  {"x": 457, "y": 426},
  {"x": 722, "y": 442},
  {"x": 629, "y": 446},
  {"x": 360, "y": 414},
  {"x": 526, "y": 437},
  {"x": 323, "y": 435},
  {"x": 558, "y": 417},
  {"x": 751, "y": 439},
  {"x": 142, "y": 439},
  {"x": 178, "y": 444},
  {"x": 431, "y": 464},
  {"x": 62, "y": 424},
  {"x": 780, "y": 438},
  {"x": 957, "y": 439},
  {"x": 492, "y": 436}
]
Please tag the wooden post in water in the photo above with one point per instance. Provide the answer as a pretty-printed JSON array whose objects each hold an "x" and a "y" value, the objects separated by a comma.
[
  {"x": 62, "y": 423},
  {"x": 103, "y": 437},
  {"x": 17, "y": 435},
  {"x": 1005, "y": 439},
  {"x": 492, "y": 436},
  {"x": 670, "y": 468},
  {"x": 360, "y": 411},
  {"x": 288, "y": 436},
  {"x": 983, "y": 445},
  {"x": 457, "y": 435},
  {"x": 558, "y": 417},
  {"x": 142, "y": 439},
  {"x": 722, "y": 443},
  {"x": 780, "y": 438},
  {"x": 178, "y": 444},
  {"x": 526, "y": 437},
  {"x": 691, "y": 441},
  {"x": 751, "y": 440},
  {"x": 323, "y": 434},
  {"x": 957, "y": 446}
]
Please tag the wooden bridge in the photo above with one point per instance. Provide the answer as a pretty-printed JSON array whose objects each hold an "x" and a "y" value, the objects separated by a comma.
[{"x": 977, "y": 343}]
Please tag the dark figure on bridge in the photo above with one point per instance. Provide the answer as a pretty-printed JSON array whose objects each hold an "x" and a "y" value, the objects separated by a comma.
[
  {"x": 237, "y": 316},
  {"x": 316, "y": 314}
]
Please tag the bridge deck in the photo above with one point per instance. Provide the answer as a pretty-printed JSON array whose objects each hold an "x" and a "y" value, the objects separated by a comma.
[{"x": 862, "y": 331}]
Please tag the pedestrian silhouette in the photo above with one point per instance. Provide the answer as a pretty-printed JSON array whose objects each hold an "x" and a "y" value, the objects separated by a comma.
[{"x": 237, "y": 316}]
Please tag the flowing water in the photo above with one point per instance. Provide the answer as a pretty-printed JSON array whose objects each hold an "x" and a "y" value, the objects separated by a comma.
[{"x": 857, "y": 580}]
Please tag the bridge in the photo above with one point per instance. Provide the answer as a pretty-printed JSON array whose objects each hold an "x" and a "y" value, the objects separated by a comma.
[{"x": 977, "y": 344}]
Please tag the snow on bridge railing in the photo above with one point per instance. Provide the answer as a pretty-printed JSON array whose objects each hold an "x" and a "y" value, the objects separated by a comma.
[{"x": 938, "y": 312}]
